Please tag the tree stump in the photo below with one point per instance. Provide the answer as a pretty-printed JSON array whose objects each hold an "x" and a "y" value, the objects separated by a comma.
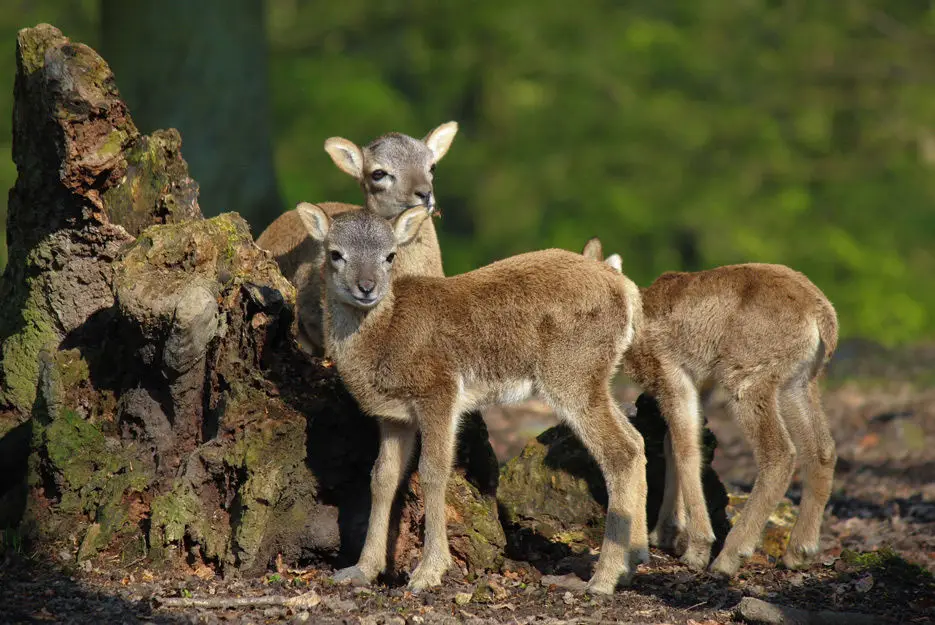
[{"x": 153, "y": 403}]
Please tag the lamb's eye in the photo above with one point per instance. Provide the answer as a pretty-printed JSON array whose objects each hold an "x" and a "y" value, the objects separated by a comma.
[
  {"x": 391, "y": 257},
  {"x": 336, "y": 255},
  {"x": 377, "y": 175}
]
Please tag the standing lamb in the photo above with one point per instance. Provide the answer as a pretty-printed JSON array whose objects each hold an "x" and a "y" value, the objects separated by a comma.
[
  {"x": 417, "y": 352},
  {"x": 764, "y": 334}
]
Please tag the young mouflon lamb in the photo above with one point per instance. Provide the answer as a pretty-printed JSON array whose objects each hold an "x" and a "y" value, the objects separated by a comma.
[
  {"x": 396, "y": 172},
  {"x": 417, "y": 351},
  {"x": 764, "y": 334}
]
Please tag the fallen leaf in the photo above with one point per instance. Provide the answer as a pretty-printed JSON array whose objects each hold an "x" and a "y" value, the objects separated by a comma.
[
  {"x": 280, "y": 568},
  {"x": 203, "y": 571},
  {"x": 44, "y": 615},
  {"x": 147, "y": 576},
  {"x": 864, "y": 584},
  {"x": 869, "y": 441}
]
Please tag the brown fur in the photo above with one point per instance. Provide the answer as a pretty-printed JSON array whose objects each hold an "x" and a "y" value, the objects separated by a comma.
[
  {"x": 409, "y": 165},
  {"x": 763, "y": 333},
  {"x": 424, "y": 350}
]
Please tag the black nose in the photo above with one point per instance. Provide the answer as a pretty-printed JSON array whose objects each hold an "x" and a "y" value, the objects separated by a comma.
[
  {"x": 425, "y": 196},
  {"x": 366, "y": 286}
]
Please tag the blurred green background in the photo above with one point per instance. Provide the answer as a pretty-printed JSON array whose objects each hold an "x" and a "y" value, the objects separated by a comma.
[{"x": 686, "y": 134}]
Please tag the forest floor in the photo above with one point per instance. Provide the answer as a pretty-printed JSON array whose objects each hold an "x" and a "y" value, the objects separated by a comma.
[{"x": 878, "y": 542}]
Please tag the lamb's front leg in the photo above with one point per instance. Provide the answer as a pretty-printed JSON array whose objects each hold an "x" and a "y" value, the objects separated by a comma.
[
  {"x": 396, "y": 443},
  {"x": 438, "y": 425}
]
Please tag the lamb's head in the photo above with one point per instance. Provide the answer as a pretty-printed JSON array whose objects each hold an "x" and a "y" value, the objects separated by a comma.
[
  {"x": 360, "y": 247},
  {"x": 395, "y": 171}
]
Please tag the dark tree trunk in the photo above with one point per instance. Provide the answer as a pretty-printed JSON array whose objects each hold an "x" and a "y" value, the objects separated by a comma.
[{"x": 201, "y": 67}]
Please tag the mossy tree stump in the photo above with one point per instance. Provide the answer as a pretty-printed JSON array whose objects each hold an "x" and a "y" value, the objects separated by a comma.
[{"x": 152, "y": 400}]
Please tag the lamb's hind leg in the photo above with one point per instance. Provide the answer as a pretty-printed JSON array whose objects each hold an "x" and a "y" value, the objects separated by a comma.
[
  {"x": 670, "y": 524},
  {"x": 438, "y": 423},
  {"x": 678, "y": 400},
  {"x": 396, "y": 444},
  {"x": 801, "y": 408},
  {"x": 618, "y": 449},
  {"x": 756, "y": 411}
]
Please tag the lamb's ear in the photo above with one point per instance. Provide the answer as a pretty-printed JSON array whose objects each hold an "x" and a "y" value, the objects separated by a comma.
[
  {"x": 615, "y": 261},
  {"x": 439, "y": 140},
  {"x": 346, "y": 155},
  {"x": 314, "y": 219},
  {"x": 593, "y": 249},
  {"x": 407, "y": 224}
]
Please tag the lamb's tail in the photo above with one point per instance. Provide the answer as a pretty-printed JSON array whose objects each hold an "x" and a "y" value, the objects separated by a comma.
[
  {"x": 827, "y": 321},
  {"x": 634, "y": 307}
]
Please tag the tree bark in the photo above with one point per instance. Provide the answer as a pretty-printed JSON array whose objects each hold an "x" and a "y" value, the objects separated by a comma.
[{"x": 201, "y": 67}]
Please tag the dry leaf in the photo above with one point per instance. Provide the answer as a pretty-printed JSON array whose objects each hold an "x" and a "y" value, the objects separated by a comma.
[
  {"x": 869, "y": 441},
  {"x": 280, "y": 568},
  {"x": 202, "y": 571}
]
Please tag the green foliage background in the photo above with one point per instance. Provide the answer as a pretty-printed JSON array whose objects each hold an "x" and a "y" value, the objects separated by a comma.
[{"x": 686, "y": 134}]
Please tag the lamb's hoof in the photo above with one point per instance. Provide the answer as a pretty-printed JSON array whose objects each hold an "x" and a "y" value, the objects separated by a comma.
[
  {"x": 423, "y": 579},
  {"x": 799, "y": 557},
  {"x": 353, "y": 575},
  {"x": 696, "y": 557},
  {"x": 725, "y": 567},
  {"x": 668, "y": 537},
  {"x": 638, "y": 556},
  {"x": 600, "y": 587},
  {"x": 604, "y": 583}
]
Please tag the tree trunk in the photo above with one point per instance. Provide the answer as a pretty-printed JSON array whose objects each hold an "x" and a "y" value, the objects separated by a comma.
[{"x": 201, "y": 67}]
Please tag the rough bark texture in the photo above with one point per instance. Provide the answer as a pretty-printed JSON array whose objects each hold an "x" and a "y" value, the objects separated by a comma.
[
  {"x": 553, "y": 497},
  {"x": 152, "y": 401},
  {"x": 201, "y": 67}
]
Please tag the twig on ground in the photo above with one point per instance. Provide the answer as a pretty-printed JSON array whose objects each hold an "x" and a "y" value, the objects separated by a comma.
[
  {"x": 754, "y": 610},
  {"x": 303, "y": 602}
]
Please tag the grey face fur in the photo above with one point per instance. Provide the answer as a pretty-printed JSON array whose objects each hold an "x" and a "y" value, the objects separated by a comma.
[
  {"x": 360, "y": 247},
  {"x": 395, "y": 171}
]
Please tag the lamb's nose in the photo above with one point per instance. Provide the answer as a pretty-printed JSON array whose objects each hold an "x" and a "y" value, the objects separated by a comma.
[
  {"x": 425, "y": 196},
  {"x": 366, "y": 286}
]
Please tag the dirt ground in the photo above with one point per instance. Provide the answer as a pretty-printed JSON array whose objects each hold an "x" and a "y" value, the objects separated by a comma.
[{"x": 883, "y": 502}]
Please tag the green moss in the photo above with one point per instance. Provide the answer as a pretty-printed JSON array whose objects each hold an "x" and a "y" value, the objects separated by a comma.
[
  {"x": 94, "y": 474},
  {"x": 114, "y": 143},
  {"x": 887, "y": 562},
  {"x": 476, "y": 527},
  {"x": 267, "y": 454},
  {"x": 180, "y": 513},
  {"x": 32, "y": 44},
  {"x": 176, "y": 511},
  {"x": 19, "y": 357}
]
